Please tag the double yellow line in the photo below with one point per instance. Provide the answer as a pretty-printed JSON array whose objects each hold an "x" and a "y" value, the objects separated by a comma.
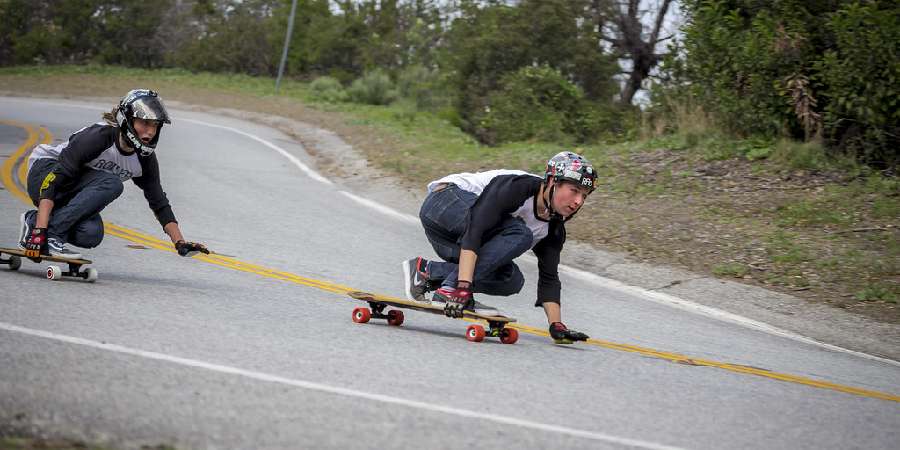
[
  {"x": 40, "y": 135},
  {"x": 35, "y": 137}
]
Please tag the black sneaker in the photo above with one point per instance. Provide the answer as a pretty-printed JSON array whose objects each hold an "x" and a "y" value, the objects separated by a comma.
[
  {"x": 415, "y": 278},
  {"x": 26, "y": 224},
  {"x": 58, "y": 249}
]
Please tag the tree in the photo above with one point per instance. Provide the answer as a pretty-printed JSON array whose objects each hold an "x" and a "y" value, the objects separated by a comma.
[
  {"x": 624, "y": 30},
  {"x": 488, "y": 41},
  {"x": 800, "y": 69}
]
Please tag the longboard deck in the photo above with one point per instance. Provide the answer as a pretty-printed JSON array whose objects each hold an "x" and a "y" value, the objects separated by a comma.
[
  {"x": 15, "y": 256},
  {"x": 497, "y": 325},
  {"x": 21, "y": 253},
  {"x": 423, "y": 307}
]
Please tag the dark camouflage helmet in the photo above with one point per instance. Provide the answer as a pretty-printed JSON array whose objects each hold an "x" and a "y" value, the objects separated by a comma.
[
  {"x": 571, "y": 167},
  {"x": 141, "y": 104}
]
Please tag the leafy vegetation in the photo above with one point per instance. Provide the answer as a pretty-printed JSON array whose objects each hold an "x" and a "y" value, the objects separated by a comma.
[
  {"x": 768, "y": 152},
  {"x": 811, "y": 71}
]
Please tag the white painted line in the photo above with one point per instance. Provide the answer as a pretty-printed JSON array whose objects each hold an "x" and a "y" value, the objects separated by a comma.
[
  {"x": 469, "y": 414},
  {"x": 293, "y": 159},
  {"x": 382, "y": 209},
  {"x": 685, "y": 305},
  {"x": 608, "y": 283}
]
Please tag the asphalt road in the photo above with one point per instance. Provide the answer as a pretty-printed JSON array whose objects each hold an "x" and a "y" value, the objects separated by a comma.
[{"x": 258, "y": 350}]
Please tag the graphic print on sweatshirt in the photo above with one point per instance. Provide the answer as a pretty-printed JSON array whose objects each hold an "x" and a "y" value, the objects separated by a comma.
[{"x": 110, "y": 160}]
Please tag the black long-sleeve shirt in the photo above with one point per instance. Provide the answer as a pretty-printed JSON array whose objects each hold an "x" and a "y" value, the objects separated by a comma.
[
  {"x": 96, "y": 147},
  {"x": 503, "y": 193}
]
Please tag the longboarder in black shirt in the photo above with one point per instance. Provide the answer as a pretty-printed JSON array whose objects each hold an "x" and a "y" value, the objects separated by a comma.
[
  {"x": 71, "y": 183},
  {"x": 478, "y": 223}
]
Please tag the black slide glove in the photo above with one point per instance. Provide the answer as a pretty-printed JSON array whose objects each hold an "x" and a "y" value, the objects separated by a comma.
[
  {"x": 563, "y": 335},
  {"x": 37, "y": 243},
  {"x": 190, "y": 248}
]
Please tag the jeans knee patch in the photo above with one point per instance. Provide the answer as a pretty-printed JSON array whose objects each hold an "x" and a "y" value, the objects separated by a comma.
[
  {"x": 523, "y": 235},
  {"x": 115, "y": 185},
  {"x": 87, "y": 234}
]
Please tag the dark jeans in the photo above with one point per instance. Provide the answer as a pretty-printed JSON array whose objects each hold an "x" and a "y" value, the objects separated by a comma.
[
  {"x": 444, "y": 216},
  {"x": 76, "y": 213}
]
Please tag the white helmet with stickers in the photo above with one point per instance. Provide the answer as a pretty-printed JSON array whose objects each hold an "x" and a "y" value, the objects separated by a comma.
[
  {"x": 572, "y": 167},
  {"x": 568, "y": 167}
]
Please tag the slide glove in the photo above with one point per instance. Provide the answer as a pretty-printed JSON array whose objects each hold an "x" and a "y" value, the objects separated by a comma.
[
  {"x": 455, "y": 300},
  {"x": 190, "y": 248},
  {"x": 37, "y": 243},
  {"x": 563, "y": 335}
]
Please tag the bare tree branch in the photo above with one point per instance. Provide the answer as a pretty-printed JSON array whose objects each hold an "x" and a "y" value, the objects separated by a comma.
[{"x": 660, "y": 17}]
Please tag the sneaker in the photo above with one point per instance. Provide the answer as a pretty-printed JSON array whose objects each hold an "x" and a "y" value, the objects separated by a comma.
[
  {"x": 58, "y": 249},
  {"x": 415, "y": 277},
  {"x": 486, "y": 310},
  {"x": 440, "y": 299},
  {"x": 26, "y": 223}
]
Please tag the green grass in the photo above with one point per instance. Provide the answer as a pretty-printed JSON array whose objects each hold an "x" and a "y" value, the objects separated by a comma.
[
  {"x": 811, "y": 213},
  {"x": 785, "y": 248},
  {"x": 421, "y": 145},
  {"x": 880, "y": 291},
  {"x": 732, "y": 269}
]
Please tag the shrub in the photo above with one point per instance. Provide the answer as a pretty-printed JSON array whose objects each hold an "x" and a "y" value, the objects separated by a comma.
[
  {"x": 425, "y": 88},
  {"x": 859, "y": 76},
  {"x": 798, "y": 69},
  {"x": 327, "y": 89},
  {"x": 374, "y": 88},
  {"x": 532, "y": 103}
]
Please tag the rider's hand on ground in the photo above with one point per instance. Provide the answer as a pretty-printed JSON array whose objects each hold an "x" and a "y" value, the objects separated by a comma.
[
  {"x": 562, "y": 335},
  {"x": 190, "y": 248}
]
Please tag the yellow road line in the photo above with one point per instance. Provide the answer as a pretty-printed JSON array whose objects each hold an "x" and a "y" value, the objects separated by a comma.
[
  {"x": 234, "y": 264},
  {"x": 6, "y": 172},
  {"x": 23, "y": 166}
]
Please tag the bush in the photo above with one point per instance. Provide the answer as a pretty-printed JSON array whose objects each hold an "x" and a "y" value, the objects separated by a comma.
[
  {"x": 425, "y": 88},
  {"x": 859, "y": 77},
  {"x": 798, "y": 69},
  {"x": 532, "y": 103},
  {"x": 327, "y": 89},
  {"x": 374, "y": 88}
]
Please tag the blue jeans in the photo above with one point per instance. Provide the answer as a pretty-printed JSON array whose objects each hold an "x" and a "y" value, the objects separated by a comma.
[
  {"x": 76, "y": 212},
  {"x": 445, "y": 216}
]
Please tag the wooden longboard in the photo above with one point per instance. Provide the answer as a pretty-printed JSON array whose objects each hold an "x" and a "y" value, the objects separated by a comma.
[
  {"x": 21, "y": 253},
  {"x": 475, "y": 333},
  {"x": 422, "y": 306},
  {"x": 53, "y": 272}
]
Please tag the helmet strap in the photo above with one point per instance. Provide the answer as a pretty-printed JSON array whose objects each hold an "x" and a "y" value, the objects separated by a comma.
[
  {"x": 132, "y": 140},
  {"x": 548, "y": 203}
]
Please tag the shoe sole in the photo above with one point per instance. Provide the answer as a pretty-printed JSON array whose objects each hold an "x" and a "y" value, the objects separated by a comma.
[
  {"x": 75, "y": 256},
  {"x": 23, "y": 226},
  {"x": 407, "y": 274}
]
